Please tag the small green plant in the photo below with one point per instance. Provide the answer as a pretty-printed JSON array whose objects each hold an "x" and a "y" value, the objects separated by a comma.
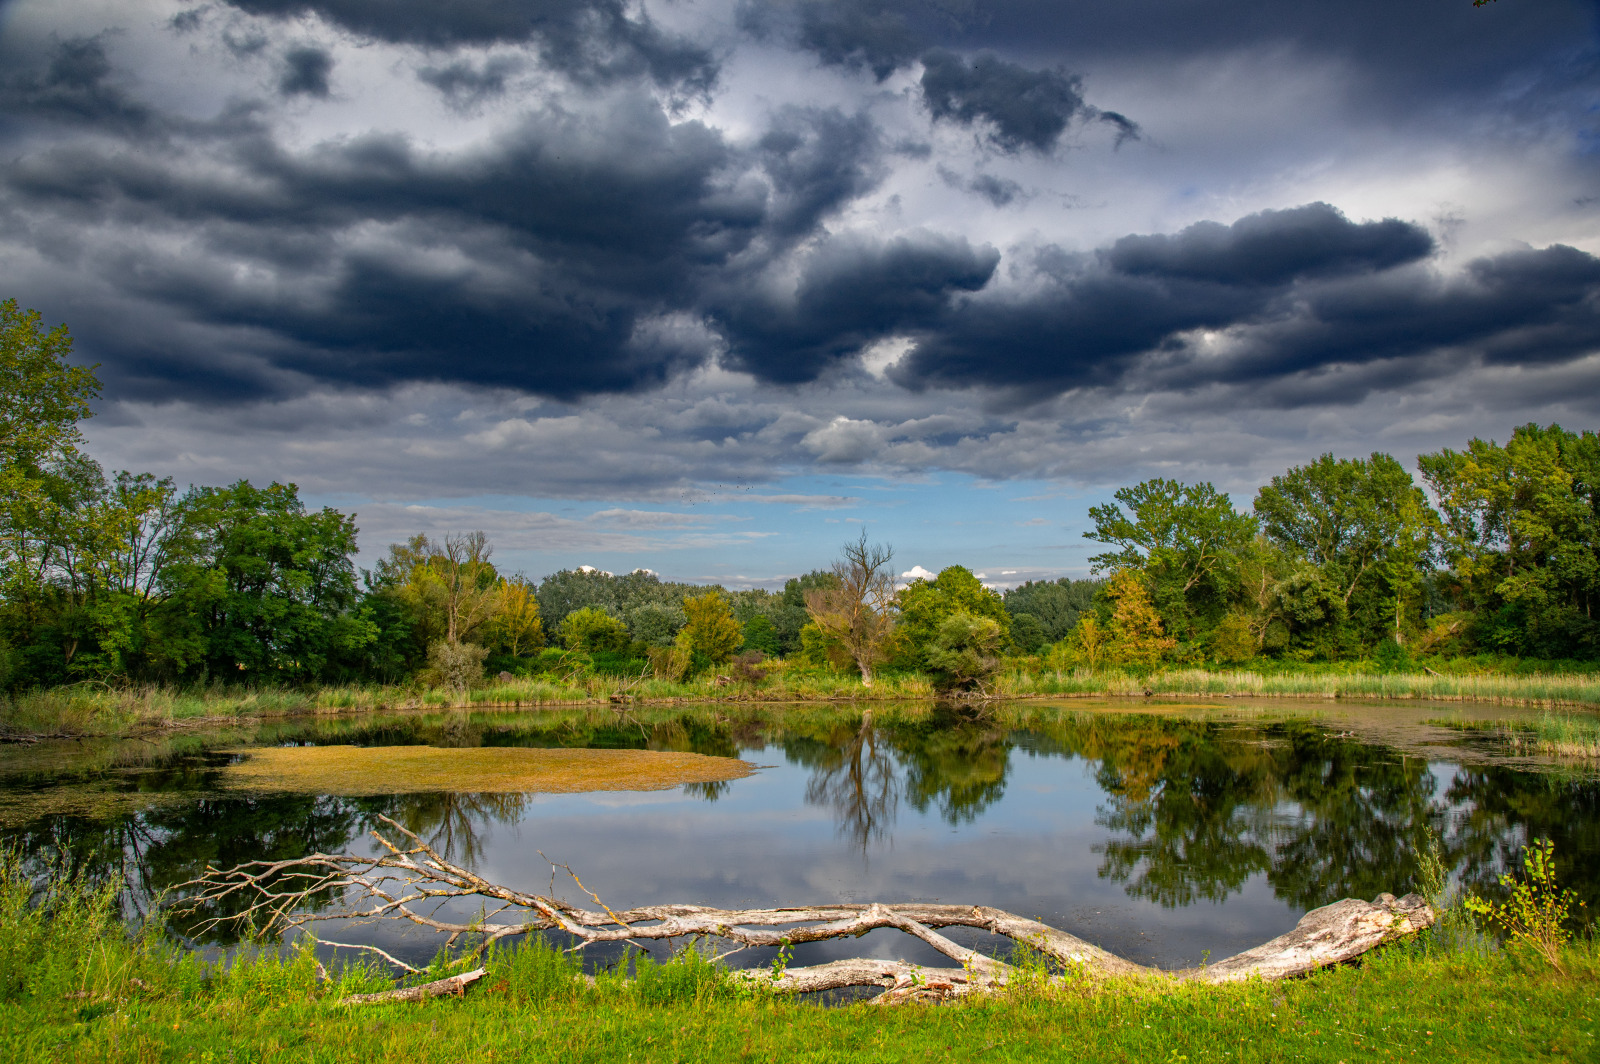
[
  {"x": 1537, "y": 909},
  {"x": 1450, "y": 920},
  {"x": 780, "y": 963}
]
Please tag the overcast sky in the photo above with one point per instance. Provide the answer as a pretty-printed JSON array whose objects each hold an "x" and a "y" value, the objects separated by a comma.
[{"x": 703, "y": 285}]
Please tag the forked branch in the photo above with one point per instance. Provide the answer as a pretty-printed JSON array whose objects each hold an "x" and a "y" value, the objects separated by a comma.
[{"x": 411, "y": 881}]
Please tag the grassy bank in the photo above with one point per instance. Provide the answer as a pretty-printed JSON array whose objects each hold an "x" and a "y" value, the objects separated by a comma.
[
  {"x": 86, "y": 709},
  {"x": 75, "y": 987}
]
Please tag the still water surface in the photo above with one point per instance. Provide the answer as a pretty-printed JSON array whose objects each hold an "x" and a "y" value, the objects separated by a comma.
[{"x": 1159, "y": 836}]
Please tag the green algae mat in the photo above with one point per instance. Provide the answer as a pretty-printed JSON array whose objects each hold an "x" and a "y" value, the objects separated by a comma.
[{"x": 366, "y": 770}]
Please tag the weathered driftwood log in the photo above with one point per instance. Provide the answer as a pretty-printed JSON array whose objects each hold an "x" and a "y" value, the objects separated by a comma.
[
  {"x": 404, "y": 880},
  {"x": 453, "y": 984}
]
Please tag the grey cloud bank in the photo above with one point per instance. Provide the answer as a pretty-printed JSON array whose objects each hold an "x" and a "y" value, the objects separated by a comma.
[{"x": 605, "y": 250}]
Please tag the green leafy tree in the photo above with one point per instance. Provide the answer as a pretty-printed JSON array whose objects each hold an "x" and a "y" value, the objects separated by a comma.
[
  {"x": 1232, "y": 642},
  {"x": 711, "y": 629},
  {"x": 1186, "y": 538},
  {"x": 592, "y": 629},
  {"x": 1027, "y": 634},
  {"x": 789, "y": 614},
  {"x": 925, "y": 605},
  {"x": 964, "y": 653},
  {"x": 266, "y": 587},
  {"x": 1263, "y": 568},
  {"x": 451, "y": 583},
  {"x": 514, "y": 626},
  {"x": 1347, "y": 516},
  {"x": 656, "y": 625},
  {"x": 760, "y": 634},
  {"x": 817, "y": 647},
  {"x": 1055, "y": 604},
  {"x": 1087, "y": 645},
  {"x": 42, "y": 399},
  {"x": 1520, "y": 530}
]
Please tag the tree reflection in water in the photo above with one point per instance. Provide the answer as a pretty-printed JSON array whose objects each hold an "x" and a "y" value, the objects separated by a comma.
[
  {"x": 1190, "y": 810},
  {"x": 1198, "y": 811},
  {"x": 955, "y": 761},
  {"x": 853, "y": 774}
]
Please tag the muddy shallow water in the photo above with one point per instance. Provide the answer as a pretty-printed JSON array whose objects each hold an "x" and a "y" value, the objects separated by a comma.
[{"x": 1162, "y": 831}]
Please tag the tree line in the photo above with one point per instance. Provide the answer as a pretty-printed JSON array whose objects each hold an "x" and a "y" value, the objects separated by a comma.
[{"x": 122, "y": 576}]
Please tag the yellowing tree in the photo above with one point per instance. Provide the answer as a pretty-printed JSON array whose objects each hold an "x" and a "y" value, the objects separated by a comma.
[
  {"x": 712, "y": 629},
  {"x": 516, "y": 625},
  {"x": 1137, "y": 637},
  {"x": 1085, "y": 645},
  {"x": 857, "y": 609},
  {"x": 451, "y": 584}
]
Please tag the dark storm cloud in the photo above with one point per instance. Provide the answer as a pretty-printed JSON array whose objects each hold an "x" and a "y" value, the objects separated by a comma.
[
  {"x": 851, "y": 293},
  {"x": 1519, "y": 307},
  {"x": 73, "y": 86},
  {"x": 872, "y": 34},
  {"x": 818, "y": 160},
  {"x": 188, "y": 21},
  {"x": 528, "y": 264},
  {"x": 1021, "y": 108},
  {"x": 591, "y": 39},
  {"x": 1018, "y": 106},
  {"x": 1432, "y": 48},
  {"x": 1272, "y": 247},
  {"x": 464, "y": 83},
  {"x": 544, "y": 261},
  {"x": 1292, "y": 291},
  {"x": 999, "y": 191},
  {"x": 305, "y": 72}
]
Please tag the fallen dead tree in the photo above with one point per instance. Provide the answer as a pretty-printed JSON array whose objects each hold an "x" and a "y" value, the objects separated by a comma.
[{"x": 410, "y": 881}]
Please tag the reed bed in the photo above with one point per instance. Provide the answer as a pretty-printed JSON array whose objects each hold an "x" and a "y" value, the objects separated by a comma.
[
  {"x": 1556, "y": 734},
  {"x": 98, "y": 709},
  {"x": 1535, "y": 690}
]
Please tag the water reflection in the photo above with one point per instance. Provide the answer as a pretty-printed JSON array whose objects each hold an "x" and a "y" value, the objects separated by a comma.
[
  {"x": 854, "y": 774},
  {"x": 1183, "y": 812}
]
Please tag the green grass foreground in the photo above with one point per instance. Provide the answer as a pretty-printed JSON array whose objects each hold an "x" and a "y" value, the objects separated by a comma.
[
  {"x": 74, "y": 986},
  {"x": 96, "y": 709}
]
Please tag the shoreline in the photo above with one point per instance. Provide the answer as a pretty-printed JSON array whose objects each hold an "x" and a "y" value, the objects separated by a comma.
[{"x": 74, "y": 713}]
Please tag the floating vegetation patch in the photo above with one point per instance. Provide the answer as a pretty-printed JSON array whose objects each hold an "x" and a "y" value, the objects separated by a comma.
[
  {"x": 1555, "y": 734},
  {"x": 91, "y": 801},
  {"x": 361, "y": 770}
]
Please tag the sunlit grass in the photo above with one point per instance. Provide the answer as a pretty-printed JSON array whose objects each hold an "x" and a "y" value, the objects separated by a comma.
[{"x": 75, "y": 985}]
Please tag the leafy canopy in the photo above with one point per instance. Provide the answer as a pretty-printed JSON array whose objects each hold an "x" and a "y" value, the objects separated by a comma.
[{"x": 927, "y": 604}]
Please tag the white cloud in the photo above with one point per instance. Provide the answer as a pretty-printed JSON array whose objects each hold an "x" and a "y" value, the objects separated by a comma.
[{"x": 917, "y": 572}]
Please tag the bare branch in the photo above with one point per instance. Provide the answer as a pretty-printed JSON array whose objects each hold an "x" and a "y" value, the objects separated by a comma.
[
  {"x": 455, "y": 984},
  {"x": 409, "y": 871}
]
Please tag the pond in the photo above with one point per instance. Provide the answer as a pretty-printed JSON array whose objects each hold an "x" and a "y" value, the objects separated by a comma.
[{"x": 1162, "y": 832}]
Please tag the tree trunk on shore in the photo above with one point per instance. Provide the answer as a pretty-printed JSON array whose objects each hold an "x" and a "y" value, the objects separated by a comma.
[{"x": 396, "y": 884}]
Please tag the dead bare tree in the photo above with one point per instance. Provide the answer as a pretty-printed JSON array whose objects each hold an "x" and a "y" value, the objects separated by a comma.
[
  {"x": 409, "y": 877},
  {"x": 859, "y": 610}
]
